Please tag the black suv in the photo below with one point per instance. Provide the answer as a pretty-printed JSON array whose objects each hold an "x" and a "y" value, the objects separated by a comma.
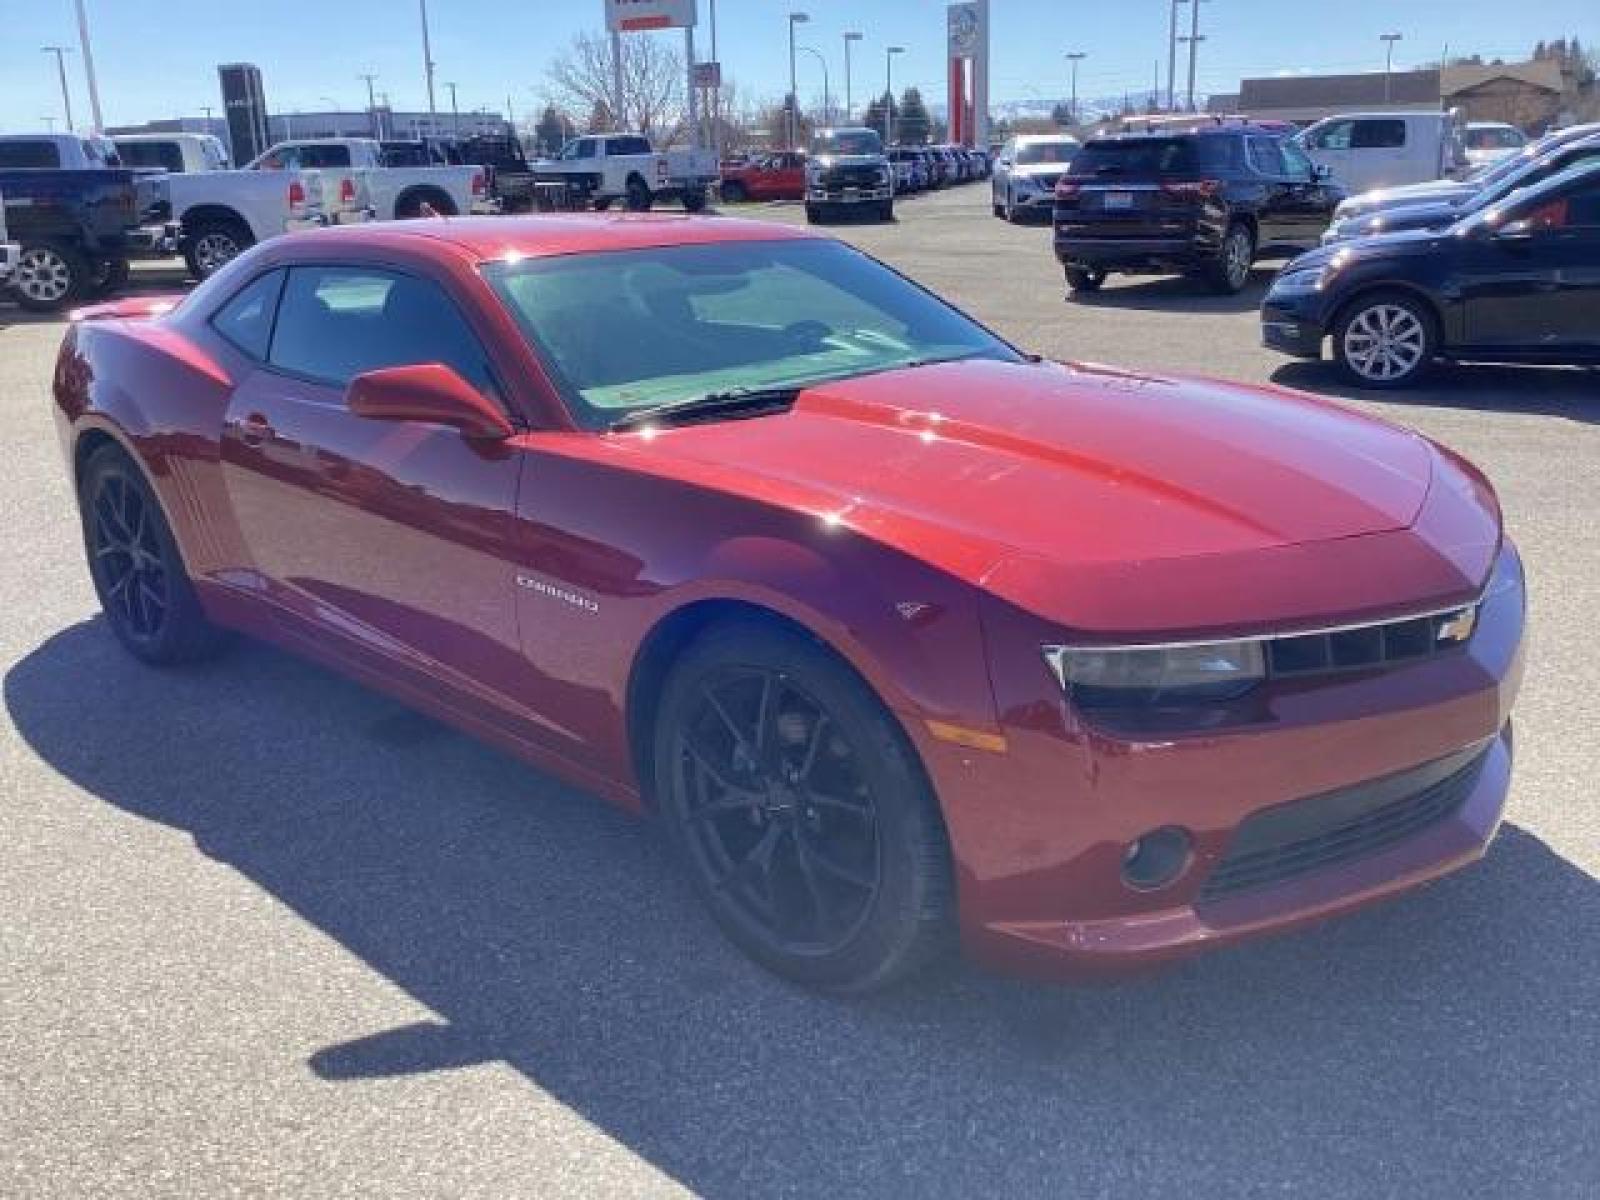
[{"x": 1207, "y": 201}]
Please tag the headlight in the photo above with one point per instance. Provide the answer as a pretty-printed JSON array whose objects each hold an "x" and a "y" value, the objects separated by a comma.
[
  {"x": 1132, "y": 676},
  {"x": 1302, "y": 282}
]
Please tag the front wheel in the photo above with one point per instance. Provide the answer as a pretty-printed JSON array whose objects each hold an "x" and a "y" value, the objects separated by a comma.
[
  {"x": 800, "y": 810},
  {"x": 1085, "y": 279},
  {"x": 640, "y": 197},
  {"x": 138, "y": 573},
  {"x": 1385, "y": 341},
  {"x": 886, "y": 211},
  {"x": 49, "y": 276},
  {"x": 734, "y": 192},
  {"x": 694, "y": 200},
  {"x": 814, "y": 214}
]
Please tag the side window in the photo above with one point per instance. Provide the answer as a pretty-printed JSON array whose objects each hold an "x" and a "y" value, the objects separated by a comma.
[
  {"x": 1335, "y": 136},
  {"x": 1578, "y": 209},
  {"x": 1295, "y": 161},
  {"x": 1265, "y": 157},
  {"x": 583, "y": 149},
  {"x": 1383, "y": 134},
  {"x": 324, "y": 156},
  {"x": 246, "y": 320},
  {"x": 29, "y": 155},
  {"x": 338, "y": 322}
]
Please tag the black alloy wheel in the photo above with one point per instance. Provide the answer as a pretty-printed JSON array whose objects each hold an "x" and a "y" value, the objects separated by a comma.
[{"x": 806, "y": 828}]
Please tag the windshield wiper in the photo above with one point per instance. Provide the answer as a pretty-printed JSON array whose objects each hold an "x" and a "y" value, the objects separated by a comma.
[{"x": 735, "y": 402}]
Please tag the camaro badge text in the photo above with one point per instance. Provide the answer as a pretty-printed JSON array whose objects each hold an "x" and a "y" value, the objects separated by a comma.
[{"x": 576, "y": 599}]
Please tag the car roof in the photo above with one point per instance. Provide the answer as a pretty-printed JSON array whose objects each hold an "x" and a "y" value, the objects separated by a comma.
[{"x": 550, "y": 235}]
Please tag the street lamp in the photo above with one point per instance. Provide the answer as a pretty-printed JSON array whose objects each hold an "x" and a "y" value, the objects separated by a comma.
[
  {"x": 827, "y": 96},
  {"x": 1388, "y": 62},
  {"x": 372, "y": 106},
  {"x": 795, "y": 18},
  {"x": 1075, "y": 57},
  {"x": 1172, "y": 56},
  {"x": 88, "y": 67},
  {"x": 849, "y": 105},
  {"x": 1194, "y": 39},
  {"x": 888, "y": 92},
  {"x": 61, "y": 72},
  {"x": 455, "y": 113}
]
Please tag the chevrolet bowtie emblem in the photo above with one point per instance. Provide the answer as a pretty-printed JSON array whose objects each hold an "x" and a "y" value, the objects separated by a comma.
[{"x": 1456, "y": 627}]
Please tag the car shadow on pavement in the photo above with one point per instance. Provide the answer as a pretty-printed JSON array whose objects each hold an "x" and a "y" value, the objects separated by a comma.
[
  {"x": 1573, "y": 393},
  {"x": 1443, "y": 1044},
  {"x": 1169, "y": 293}
]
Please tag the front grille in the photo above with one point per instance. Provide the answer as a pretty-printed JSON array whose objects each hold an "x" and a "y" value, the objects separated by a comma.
[
  {"x": 1368, "y": 646},
  {"x": 836, "y": 177},
  {"x": 1292, "y": 839}
]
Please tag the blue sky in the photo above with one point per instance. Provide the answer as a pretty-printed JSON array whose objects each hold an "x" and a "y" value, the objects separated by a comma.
[{"x": 159, "y": 59}]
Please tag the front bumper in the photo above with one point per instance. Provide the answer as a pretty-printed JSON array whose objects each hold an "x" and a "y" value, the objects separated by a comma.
[
  {"x": 1041, "y": 829},
  {"x": 1290, "y": 328},
  {"x": 848, "y": 195},
  {"x": 1132, "y": 253}
]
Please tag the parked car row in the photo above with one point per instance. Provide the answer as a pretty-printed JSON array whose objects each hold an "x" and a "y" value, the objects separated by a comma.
[{"x": 781, "y": 175}]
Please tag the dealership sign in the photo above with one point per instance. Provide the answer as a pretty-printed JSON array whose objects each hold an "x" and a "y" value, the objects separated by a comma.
[{"x": 627, "y": 16}]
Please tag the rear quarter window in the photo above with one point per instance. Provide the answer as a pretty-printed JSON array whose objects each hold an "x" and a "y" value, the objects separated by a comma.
[
  {"x": 627, "y": 145},
  {"x": 168, "y": 156},
  {"x": 246, "y": 320},
  {"x": 1378, "y": 134},
  {"x": 28, "y": 156}
]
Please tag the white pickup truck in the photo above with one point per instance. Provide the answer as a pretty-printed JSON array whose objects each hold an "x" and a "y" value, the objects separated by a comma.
[
  {"x": 220, "y": 214},
  {"x": 607, "y": 167},
  {"x": 390, "y": 193}
]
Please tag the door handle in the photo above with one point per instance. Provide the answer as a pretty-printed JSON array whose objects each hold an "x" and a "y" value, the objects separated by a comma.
[{"x": 255, "y": 429}]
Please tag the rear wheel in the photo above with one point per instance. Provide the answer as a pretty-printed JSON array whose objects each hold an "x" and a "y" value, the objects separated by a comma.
[
  {"x": 734, "y": 192},
  {"x": 411, "y": 205},
  {"x": 49, "y": 276},
  {"x": 138, "y": 573},
  {"x": 640, "y": 197},
  {"x": 800, "y": 811},
  {"x": 815, "y": 214},
  {"x": 1085, "y": 279},
  {"x": 694, "y": 200},
  {"x": 111, "y": 275},
  {"x": 1387, "y": 340},
  {"x": 212, "y": 245},
  {"x": 886, "y": 210},
  {"x": 1230, "y": 272}
]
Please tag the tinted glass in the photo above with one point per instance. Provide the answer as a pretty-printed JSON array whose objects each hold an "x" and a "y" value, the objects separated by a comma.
[
  {"x": 1494, "y": 139},
  {"x": 628, "y": 145},
  {"x": 1295, "y": 160},
  {"x": 1137, "y": 156},
  {"x": 583, "y": 149},
  {"x": 1380, "y": 134},
  {"x": 850, "y": 141},
  {"x": 633, "y": 328},
  {"x": 1335, "y": 136},
  {"x": 165, "y": 155},
  {"x": 1046, "y": 152},
  {"x": 338, "y": 322},
  {"x": 1266, "y": 158},
  {"x": 23, "y": 156},
  {"x": 324, "y": 156},
  {"x": 246, "y": 320}
]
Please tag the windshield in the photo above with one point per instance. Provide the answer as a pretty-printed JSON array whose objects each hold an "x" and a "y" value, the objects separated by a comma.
[
  {"x": 629, "y": 329},
  {"x": 1493, "y": 137},
  {"x": 1045, "y": 152},
  {"x": 850, "y": 141}
]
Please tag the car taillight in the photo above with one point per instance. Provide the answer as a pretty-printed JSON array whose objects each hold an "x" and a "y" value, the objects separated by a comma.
[
  {"x": 297, "y": 194},
  {"x": 347, "y": 191},
  {"x": 1192, "y": 189},
  {"x": 480, "y": 185}
]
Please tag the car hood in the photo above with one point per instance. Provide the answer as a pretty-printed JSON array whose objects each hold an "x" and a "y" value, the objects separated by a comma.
[
  {"x": 1074, "y": 491},
  {"x": 1031, "y": 170},
  {"x": 1433, "y": 192},
  {"x": 1402, "y": 218}
]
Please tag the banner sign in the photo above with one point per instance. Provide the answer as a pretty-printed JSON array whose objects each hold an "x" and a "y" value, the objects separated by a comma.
[{"x": 630, "y": 16}]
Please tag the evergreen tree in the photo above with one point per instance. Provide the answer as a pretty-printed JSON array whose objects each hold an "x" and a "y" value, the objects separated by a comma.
[
  {"x": 874, "y": 118},
  {"x": 551, "y": 132},
  {"x": 915, "y": 124}
]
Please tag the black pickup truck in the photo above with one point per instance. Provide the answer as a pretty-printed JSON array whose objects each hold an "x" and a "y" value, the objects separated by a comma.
[{"x": 77, "y": 230}]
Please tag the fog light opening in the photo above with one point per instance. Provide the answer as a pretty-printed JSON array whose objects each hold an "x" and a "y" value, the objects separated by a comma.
[{"x": 1156, "y": 859}]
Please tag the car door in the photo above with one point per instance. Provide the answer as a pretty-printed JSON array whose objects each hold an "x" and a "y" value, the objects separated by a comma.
[
  {"x": 1385, "y": 154},
  {"x": 790, "y": 183},
  {"x": 385, "y": 542},
  {"x": 1328, "y": 143},
  {"x": 1270, "y": 180},
  {"x": 1310, "y": 202},
  {"x": 1533, "y": 285}
]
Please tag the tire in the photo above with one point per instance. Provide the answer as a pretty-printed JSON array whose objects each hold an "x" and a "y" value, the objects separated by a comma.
[
  {"x": 999, "y": 210},
  {"x": 110, "y": 275},
  {"x": 814, "y": 214},
  {"x": 816, "y": 844},
  {"x": 1085, "y": 279},
  {"x": 603, "y": 203},
  {"x": 694, "y": 200},
  {"x": 886, "y": 211},
  {"x": 1230, "y": 272},
  {"x": 735, "y": 192},
  {"x": 50, "y": 276},
  {"x": 1011, "y": 207},
  {"x": 139, "y": 576},
  {"x": 212, "y": 245},
  {"x": 1385, "y": 340},
  {"x": 409, "y": 206},
  {"x": 640, "y": 197}
]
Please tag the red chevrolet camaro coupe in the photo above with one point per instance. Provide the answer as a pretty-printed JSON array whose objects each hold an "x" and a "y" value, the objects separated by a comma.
[{"x": 909, "y": 639}]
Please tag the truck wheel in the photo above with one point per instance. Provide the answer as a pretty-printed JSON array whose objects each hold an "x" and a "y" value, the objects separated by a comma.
[
  {"x": 603, "y": 203},
  {"x": 212, "y": 245},
  {"x": 49, "y": 276},
  {"x": 694, "y": 200},
  {"x": 1230, "y": 271},
  {"x": 639, "y": 196},
  {"x": 110, "y": 275},
  {"x": 814, "y": 214},
  {"x": 734, "y": 192},
  {"x": 886, "y": 211},
  {"x": 1085, "y": 279},
  {"x": 409, "y": 206}
]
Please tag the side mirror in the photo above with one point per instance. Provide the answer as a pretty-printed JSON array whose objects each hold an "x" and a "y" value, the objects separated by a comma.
[
  {"x": 1321, "y": 172},
  {"x": 430, "y": 392}
]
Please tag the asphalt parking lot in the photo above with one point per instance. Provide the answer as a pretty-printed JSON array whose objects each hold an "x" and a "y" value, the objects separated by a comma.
[{"x": 263, "y": 932}]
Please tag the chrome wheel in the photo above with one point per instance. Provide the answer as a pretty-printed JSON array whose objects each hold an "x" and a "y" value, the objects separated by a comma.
[
  {"x": 43, "y": 275},
  {"x": 1385, "y": 343},
  {"x": 214, "y": 250},
  {"x": 127, "y": 557},
  {"x": 1237, "y": 255},
  {"x": 777, "y": 811}
]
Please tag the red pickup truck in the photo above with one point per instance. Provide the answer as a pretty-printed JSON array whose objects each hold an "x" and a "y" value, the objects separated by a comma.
[{"x": 766, "y": 177}]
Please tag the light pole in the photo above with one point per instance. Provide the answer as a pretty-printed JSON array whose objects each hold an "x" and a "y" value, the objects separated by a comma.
[
  {"x": 795, "y": 18},
  {"x": 88, "y": 66},
  {"x": 849, "y": 105},
  {"x": 888, "y": 92},
  {"x": 1075, "y": 57},
  {"x": 1172, "y": 57},
  {"x": 61, "y": 72},
  {"x": 1389, "y": 39},
  {"x": 827, "y": 95},
  {"x": 427, "y": 65},
  {"x": 455, "y": 113},
  {"x": 372, "y": 106},
  {"x": 1194, "y": 39}
]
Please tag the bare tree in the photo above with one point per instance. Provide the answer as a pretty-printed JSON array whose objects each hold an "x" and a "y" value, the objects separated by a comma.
[{"x": 653, "y": 83}]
